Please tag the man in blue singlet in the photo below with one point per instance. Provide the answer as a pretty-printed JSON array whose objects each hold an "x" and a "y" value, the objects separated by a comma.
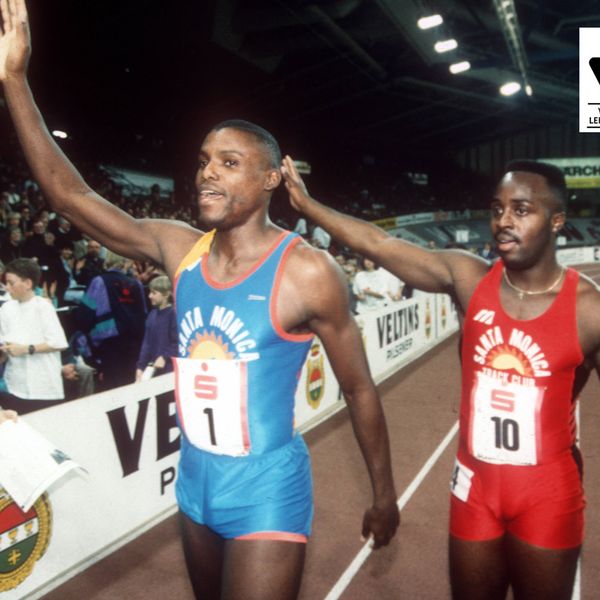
[{"x": 249, "y": 298}]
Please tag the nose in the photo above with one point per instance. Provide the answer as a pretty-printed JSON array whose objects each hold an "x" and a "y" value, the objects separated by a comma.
[
  {"x": 207, "y": 172},
  {"x": 505, "y": 220}
]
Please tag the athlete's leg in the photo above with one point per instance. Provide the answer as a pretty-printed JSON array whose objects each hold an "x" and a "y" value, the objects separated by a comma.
[
  {"x": 262, "y": 569},
  {"x": 478, "y": 570},
  {"x": 204, "y": 552},
  {"x": 540, "y": 573}
]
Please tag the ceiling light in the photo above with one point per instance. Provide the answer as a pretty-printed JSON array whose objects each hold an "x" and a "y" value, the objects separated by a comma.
[
  {"x": 445, "y": 46},
  {"x": 460, "y": 67},
  {"x": 510, "y": 88},
  {"x": 60, "y": 134},
  {"x": 529, "y": 90},
  {"x": 429, "y": 22}
]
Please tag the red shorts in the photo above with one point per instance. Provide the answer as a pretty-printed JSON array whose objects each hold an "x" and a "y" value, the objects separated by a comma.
[{"x": 541, "y": 505}]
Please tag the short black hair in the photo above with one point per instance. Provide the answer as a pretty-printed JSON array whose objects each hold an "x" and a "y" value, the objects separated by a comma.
[
  {"x": 25, "y": 268},
  {"x": 551, "y": 173},
  {"x": 266, "y": 138}
]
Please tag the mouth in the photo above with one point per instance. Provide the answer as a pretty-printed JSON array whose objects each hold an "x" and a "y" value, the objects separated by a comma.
[
  {"x": 505, "y": 242},
  {"x": 208, "y": 196}
]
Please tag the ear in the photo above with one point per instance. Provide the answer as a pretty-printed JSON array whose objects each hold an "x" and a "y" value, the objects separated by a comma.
[
  {"x": 558, "y": 221},
  {"x": 273, "y": 179}
]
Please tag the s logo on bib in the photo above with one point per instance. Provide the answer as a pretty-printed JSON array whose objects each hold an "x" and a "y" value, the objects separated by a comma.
[
  {"x": 212, "y": 404},
  {"x": 505, "y": 425}
]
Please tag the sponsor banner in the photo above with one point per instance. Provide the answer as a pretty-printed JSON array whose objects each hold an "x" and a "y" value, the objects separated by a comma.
[
  {"x": 127, "y": 439},
  {"x": 577, "y": 256},
  {"x": 589, "y": 79},
  {"x": 580, "y": 172}
]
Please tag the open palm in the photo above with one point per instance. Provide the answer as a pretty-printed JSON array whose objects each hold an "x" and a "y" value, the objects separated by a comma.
[{"x": 14, "y": 38}]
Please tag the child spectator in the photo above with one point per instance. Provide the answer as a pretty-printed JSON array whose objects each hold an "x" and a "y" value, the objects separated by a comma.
[
  {"x": 160, "y": 336},
  {"x": 32, "y": 338}
]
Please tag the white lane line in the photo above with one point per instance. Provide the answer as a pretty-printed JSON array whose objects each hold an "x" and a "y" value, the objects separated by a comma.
[
  {"x": 344, "y": 581},
  {"x": 577, "y": 586}
]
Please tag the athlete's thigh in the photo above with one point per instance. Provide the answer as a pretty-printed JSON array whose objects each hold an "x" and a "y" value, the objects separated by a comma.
[
  {"x": 541, "y": 573},
  {"x": 478, "y": 570},
  {"x": 262, "y": 569},
  {"x": 204, "y": 551}
]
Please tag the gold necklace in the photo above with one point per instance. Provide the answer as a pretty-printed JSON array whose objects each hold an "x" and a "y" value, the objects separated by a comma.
[{"x": 522, "y": 293}]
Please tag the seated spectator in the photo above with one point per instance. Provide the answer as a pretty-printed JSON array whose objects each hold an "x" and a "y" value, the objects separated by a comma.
[
  {"x": 160, "y": 337},
  {"x": 301, "y": 227},
  {"x": 487, "y": 251},
  {"x": 370, "y": 287},
  {"x": 78, "y": 376},
  {"x": 63, "y": 231},
  {"x": 12, "y": 247},
  {"x": 112, "y": 313},
  {"x": 35, "y": 245},
  {"x": 395, "y": 287},
  {"x": 32, "y": 339},
  {"x": 320, "y": 238},
  {"x": 91, "y": 265}
]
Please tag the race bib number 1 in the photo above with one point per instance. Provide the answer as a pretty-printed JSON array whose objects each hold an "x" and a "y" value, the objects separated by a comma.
[
  {"x": 212, "y": 404},
  {"x": 505, "y": 422}
]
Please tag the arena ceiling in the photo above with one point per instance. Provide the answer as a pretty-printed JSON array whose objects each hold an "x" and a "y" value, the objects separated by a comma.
[{"x": 332, "y": 73}]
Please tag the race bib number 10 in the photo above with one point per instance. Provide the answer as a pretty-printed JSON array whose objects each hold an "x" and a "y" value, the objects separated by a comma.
[
  {"x": 212, "y": 404},
  {"x": 505, "y": 422}
]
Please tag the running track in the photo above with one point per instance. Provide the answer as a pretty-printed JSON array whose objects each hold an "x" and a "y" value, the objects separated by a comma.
[{"x": 421, "y": 404}]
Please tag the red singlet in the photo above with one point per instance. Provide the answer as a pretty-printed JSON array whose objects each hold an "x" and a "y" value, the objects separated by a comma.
[{"x": 516, "y": 469}]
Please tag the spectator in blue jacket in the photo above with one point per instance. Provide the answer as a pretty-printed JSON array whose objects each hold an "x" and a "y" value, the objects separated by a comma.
[{"x": 112, "y": 313}]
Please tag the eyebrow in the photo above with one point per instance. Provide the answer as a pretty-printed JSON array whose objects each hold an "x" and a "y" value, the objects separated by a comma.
[
  {"x": 221, "y": 152},
  {"x": 513, "y": 200}
]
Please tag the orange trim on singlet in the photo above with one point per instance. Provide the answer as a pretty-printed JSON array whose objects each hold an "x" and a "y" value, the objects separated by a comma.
[
  {"x": 276, "y": 536},
  {"x": 202, "y": 246},
  {"x": 290, "y": 337},
  {"x": 228, "y": 284}
]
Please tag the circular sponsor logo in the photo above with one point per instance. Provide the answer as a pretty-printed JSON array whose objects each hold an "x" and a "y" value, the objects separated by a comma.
[
  {"x": 315, "y": 378},
  {"x": 24, "y": 537}
]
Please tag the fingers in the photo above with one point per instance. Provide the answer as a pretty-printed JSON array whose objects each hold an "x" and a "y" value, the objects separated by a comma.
[
  {"x": 21, "y": 11},
  {"x": 12, "y": 12},
  {"x": 5, "y": 17}
]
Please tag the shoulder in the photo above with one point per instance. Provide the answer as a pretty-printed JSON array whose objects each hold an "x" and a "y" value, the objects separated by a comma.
[
  {"x": 588, "y": 294},
  {"x": 588, "y": 314},
  {"x": 312, "y": 276},
  {"x": 308, "y": 264}
]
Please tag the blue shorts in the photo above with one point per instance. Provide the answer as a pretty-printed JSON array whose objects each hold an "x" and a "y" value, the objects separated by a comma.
[{"x": 261, "y": 496}]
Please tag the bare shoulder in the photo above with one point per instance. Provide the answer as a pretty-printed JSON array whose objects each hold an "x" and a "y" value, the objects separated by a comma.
[
  {"x": 311, "y": 266},
  {"x": 467, "y": 271},
  {"x": 313, "y": 285},
  {"x": 175, "y": 239},
  {"x": 588, "y": 294}
]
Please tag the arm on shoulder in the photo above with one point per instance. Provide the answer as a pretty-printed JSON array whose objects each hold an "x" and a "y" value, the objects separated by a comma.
[{"x": 427, "y": 270}]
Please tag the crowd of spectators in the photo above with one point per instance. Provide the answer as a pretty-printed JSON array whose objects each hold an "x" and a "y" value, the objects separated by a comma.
[{"x": 101, "y": 299}]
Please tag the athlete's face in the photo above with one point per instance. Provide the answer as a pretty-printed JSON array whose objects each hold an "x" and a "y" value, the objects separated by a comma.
[
  {"x": 234, "y": 179},
  {"x": 525, "y": 219}
]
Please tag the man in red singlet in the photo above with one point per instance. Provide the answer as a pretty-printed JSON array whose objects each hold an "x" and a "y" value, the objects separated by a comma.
[
  {"x": 528, "y": 325},
  {"x": 239, "y": 167}
]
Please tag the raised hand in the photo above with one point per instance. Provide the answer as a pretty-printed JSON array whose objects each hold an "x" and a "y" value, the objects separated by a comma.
[
  {"x": 15, "y": 42},
  {"x": 294, "y": 183}
]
